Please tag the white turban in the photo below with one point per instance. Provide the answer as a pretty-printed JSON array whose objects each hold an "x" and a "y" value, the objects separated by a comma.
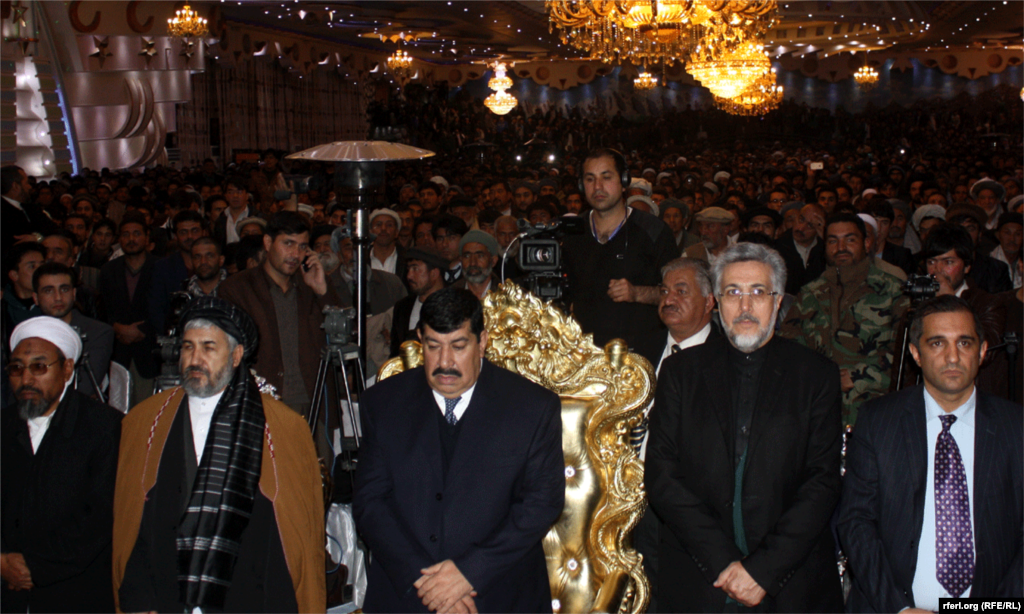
[{"x": 49, "y": 329}]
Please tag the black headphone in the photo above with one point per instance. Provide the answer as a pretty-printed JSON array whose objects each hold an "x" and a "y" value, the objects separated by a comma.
[{"x": 620, "y": 165}]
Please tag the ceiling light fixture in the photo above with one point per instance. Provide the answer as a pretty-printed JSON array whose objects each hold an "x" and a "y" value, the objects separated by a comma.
[
  {"x": 500, "y": 102},
  {"x": 186, "y": 23}
]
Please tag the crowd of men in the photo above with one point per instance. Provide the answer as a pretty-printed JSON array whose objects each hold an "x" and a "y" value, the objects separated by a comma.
[{"x": 781, "y": 295}]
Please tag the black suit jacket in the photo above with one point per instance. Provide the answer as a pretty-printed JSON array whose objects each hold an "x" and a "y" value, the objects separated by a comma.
[
  {"x": 29, "y": 219},
  {"x": 117, "y": 308},
  {"x": 882, "y": 509},
  {"x": 400, "y": 323},
  {"x": 505, "y": 487},
  {"x": 790, "y": 486},
  {"x": 796, "y": 273},
  {"x": 899, "y": 256},
  {"x": 58, "y": 506}
]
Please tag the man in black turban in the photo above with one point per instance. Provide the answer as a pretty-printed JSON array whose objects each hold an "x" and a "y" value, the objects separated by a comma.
[{"x": 218, "y": 504}]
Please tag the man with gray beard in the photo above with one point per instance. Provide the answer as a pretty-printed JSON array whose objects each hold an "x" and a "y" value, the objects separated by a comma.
[
  {"x": 218, "y": 502},
  {"x": 58, "y": 459},
  {"x": 743, "y": 457},
  {"x": 479, "y": 252}
]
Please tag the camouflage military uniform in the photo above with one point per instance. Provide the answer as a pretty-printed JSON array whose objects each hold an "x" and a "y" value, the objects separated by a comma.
[{"x": 851, "y": 315}]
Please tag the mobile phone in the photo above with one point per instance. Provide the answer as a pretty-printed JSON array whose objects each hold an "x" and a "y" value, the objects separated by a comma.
[
  {"x": 817, "y": 166},
  {"x": 305, "y": 264}
]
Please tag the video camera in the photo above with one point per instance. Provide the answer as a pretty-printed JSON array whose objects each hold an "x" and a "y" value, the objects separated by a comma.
[
  {"x": 540, "y": 255},
  {"x": 920, "y": 287}
]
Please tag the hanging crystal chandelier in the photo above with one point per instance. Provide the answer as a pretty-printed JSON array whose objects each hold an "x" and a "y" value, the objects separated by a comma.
[
  {"x": 734, "y": 72},
  {"x": 760, "y": 98},
  {"x": 399, "y": 63},
  {"x": 500, "y": 102},
  {"x": 650, "y": 31},
  {"x": 186, "y": 23},
  {"x": 866, "y": 77},
  {"x": 645, "y": 81}
]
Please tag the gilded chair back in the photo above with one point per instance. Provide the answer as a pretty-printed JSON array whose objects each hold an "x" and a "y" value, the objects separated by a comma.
[{"x": 592, "y": 565}]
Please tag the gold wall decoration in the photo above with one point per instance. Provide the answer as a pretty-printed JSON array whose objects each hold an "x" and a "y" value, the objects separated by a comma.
[{"x": 592, "y": 565}]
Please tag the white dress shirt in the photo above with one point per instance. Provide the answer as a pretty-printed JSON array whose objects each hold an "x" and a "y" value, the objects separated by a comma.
[
  {"x": 414, "y": 315},
  {"x": 232, "y": 231},
  {"x": 927, "y": 589},
  {"x": 201, "y": 412},
  {"x": 388, "y": 265},
  {"x": 460, "y": 407},
  {"x": 695, "y": 339},
  {"x": 37, "y": 427}
]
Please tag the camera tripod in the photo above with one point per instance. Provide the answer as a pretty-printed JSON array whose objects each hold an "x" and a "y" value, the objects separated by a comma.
[
  {"x": 339, "y": 359},
  {"x": 83, "y": 365}
]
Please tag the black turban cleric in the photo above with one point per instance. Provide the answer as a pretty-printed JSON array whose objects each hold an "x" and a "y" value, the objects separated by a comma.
[
  {"x": 224, "y": 491},
  {"x": 229, "y": 317}
]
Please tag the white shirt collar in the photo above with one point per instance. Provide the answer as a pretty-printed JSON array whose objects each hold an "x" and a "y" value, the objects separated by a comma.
[
  {"x": 460, "y": 407},
  {"x": 964, "y": 413},
  {"x": 14, "y": 203},
  {"x": 200, "y": 412},
  {"x": 960, "y": 290}
]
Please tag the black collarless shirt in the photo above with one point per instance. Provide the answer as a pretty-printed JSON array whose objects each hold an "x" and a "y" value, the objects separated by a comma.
[{"x": 744, "y": 376}]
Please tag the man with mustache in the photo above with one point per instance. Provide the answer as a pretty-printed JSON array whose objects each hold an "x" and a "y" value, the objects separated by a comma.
[
  {"x": 479, "y": 256},
  {"x": 743, "y": 457},
  {"x": 286, "y": 299},
  {"x": 58, "y": 459},
  {"x": 932, "y": 503},
  {"x": 218, "y": 505},
  {"x": 714, "y": 234},
  {"x": 208, "y": 265},
  {"x": 460, "y": 475},
  {"x": 802, "y": 247},
  {"x": 850, "y": 314},
  {"x": 686, "y": 307}
]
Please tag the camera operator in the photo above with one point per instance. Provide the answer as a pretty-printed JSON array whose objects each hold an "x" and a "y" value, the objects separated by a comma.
[
  {"x": 613, "y": 270},
  {"x": 947, "y": 255}
]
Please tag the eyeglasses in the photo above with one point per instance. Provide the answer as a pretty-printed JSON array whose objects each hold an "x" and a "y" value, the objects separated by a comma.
[
  {"x": 735, "y": 295},
  {"x": 38, "y": 369}
]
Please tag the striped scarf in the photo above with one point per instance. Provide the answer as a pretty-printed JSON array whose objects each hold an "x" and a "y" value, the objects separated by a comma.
[{"x": 223, "y": 494}]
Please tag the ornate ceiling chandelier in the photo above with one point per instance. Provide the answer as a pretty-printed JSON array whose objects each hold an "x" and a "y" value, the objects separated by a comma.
[
  {"x": 645, "y": 31},
  {"x": 866, "y": 77},
  {"x": 734, "y": 72},
  {"x": 645, "y": 81},
  {"x": 186, "y": 23},
  {"x": 500, "y": 102},
  {"x": 760, "y": 98},
  {"x": 399, "y": 64}
]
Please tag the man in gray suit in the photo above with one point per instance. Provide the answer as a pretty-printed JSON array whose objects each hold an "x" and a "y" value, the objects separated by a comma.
[{"x": 53, "y": 289}]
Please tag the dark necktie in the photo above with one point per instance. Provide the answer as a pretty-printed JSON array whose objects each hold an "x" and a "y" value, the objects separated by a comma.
[
  {"x": 675, "y": 348},
  {"x": 449, "y": 410},
  {"x": 954, "y": 541}
]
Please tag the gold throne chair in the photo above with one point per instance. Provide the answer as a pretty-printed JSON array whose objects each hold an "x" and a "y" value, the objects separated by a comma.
[{"x": 592, "y": 565}]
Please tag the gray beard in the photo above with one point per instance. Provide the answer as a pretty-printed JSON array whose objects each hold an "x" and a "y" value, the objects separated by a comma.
[
  {"x": 216, "y": 383},
  {"x": 29, "y": 409},
  {"x": 329, "y": 261}
]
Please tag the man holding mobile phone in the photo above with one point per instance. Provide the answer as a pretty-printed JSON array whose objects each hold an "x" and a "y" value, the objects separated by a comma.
[{"x": 286, "y": 296}]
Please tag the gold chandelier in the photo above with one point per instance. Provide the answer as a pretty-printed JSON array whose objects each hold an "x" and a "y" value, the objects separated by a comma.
[
  {"x": 500, "y": 102},
  {"x": 645, "y": 81},
  {"x": 399, "y": 63},
  {"x": 760, "y": 98},
  {"x": 866, "y": 77},
  {"x": 186, "y": 23},
  {"x": 734, "y": 72},
  {"x": 647, "y": 31}
]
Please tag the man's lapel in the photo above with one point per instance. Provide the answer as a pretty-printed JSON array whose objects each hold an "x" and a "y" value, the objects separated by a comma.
[
  {"x": 984, "y": 461},
  {"x": 424, "y": 430},
  {"x": 913, "y": 431},
  {"x": 476, "y": 425},
  {"x": 720, "y": 396}
]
